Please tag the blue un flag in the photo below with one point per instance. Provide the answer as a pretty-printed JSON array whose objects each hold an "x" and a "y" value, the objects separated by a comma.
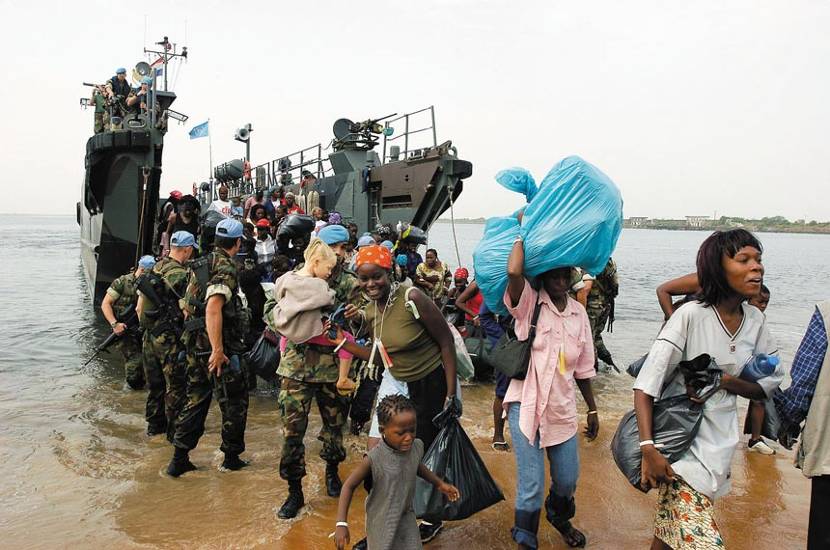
[{"x": 199, "y": 131}]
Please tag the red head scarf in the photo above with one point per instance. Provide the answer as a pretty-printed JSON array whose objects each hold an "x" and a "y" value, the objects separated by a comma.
[
  {"x": 375, "y": 254},
  {"x": 461, "y": 273}
]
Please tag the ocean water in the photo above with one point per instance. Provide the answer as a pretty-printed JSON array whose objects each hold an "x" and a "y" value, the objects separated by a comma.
[{"x": 79, "y": 471}]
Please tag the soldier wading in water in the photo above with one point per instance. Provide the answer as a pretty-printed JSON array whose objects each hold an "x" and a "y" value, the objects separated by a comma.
[
  {"x": 309, "y": 372},
  {"x": 121, "y": 297},
  {"x": 214, "y": 330},
  {"x": 161, "y": 316}
]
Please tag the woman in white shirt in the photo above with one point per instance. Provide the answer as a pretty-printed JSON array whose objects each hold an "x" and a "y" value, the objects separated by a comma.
[{"x": 720, "y": 324}]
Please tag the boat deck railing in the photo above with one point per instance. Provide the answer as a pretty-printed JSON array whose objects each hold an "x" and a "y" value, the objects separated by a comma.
[
  {"x": 416, "y": 125},
  {"x": 285, "y": 170}
]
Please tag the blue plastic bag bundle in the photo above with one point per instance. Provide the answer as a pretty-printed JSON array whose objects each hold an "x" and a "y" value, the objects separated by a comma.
[
  {"x": 518, "y": 180},
  {"x": 573, "y": 219}
]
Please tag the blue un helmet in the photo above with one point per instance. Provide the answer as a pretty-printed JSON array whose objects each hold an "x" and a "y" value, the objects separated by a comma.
[
  {"x": 182, "y": 239},
  {"x": 230, "y": 228},
  {"x": 333, "y": 234},
  {"x": 120, "y": 70},
  {"x": 147, "y": 80},
  {"x": 146, "y": 262}
]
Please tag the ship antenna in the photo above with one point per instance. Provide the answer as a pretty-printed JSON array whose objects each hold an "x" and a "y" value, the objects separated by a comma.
[{"x": 168, "y": 52}]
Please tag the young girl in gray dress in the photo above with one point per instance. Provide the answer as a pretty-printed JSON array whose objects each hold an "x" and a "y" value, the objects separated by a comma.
[{"x": 394, "y": 465}]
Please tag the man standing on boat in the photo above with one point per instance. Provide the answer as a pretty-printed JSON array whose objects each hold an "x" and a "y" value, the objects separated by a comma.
[{"x": 117, "y": 90}]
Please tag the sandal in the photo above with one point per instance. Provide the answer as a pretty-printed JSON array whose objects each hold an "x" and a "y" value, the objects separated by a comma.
[
  {"x": 573, "y": 536},
  {"x": 503, "y": 446}
]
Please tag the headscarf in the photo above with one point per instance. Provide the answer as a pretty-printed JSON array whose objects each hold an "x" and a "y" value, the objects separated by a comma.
[
  {"x": 335, "y": 218},
  {"x": 461, "y": 273},
  {"x": 375, "y": 254}
]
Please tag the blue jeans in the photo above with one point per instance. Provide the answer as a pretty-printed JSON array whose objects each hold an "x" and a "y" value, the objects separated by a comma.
[{"x": 530, "y": 469}]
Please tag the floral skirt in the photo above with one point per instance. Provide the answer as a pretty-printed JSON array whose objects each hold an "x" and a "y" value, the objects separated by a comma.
[{"x": 684, "y": 518}]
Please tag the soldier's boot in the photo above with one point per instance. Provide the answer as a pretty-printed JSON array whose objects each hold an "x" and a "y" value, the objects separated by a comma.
[
  {"x": 333, "y": 483},
  {"x": 233, "y": 463},
  {"x": 294, "y": 502},
  {"x": 180, "y": 463}
]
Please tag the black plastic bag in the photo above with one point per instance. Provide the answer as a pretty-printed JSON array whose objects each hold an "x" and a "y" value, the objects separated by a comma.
[
  {"x": 362, "y": 401},
  {"x": 264, "y": 357},
  {"x": 296, "y": 225},
  {"x": 478, "y": 346},
  {"x": 453, "y": 458},
  {"x": 675, "y": 424},
  {"x": 675, "y": 419}
]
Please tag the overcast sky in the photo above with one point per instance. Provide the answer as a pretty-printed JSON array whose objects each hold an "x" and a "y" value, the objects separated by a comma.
[{"x": 690, "y": 107}]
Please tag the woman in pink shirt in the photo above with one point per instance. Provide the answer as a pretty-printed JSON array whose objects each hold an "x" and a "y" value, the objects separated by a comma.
[{"x": 541, "y": 409}]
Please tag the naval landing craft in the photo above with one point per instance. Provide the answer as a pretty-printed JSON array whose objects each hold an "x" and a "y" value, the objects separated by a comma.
[{"x": 119, "y": 206}]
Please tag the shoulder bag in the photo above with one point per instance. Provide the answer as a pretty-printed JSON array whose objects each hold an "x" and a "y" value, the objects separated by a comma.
[{"x": 511, "y": 356}]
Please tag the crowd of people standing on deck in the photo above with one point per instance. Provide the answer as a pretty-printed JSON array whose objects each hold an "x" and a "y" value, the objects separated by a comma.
[{"x": 362, "y": 322}]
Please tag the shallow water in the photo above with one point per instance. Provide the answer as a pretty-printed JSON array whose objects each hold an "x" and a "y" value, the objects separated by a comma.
[{"x": 79, "y": 471}]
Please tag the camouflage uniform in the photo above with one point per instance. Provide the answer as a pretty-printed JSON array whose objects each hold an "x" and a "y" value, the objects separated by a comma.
[
  {"x": 309, "y": 373},
  {"x": 124, "y": 294},
  {"x": 101, "y": 116},
  {"x": 163, "y": 350},
  {"x": 601, "y": 306},
  {"x": 231, "y": 388}
]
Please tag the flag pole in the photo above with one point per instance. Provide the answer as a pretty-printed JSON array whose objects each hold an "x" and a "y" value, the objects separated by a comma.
[{"x": 210, "y": 168}]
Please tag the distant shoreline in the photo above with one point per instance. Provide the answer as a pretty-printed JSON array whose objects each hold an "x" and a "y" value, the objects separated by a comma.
[
  {"x": 792, "y": 230},
  {"x": 805, "y": 229}
]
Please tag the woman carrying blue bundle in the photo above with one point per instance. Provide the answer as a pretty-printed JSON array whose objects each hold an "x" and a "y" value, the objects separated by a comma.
[
  {"x": 541, "y": 409},
  {"x": 718, "y": 322}
]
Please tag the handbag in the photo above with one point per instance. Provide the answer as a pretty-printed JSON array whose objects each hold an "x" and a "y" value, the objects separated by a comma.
[{"x": 511, "y": 356}]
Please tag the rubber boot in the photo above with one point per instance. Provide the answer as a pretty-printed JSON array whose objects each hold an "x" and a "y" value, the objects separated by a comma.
[
  {"x": 333, "y": 483},
  {"x": 233, "y": 463},
  {"x": 294, "y": 502},
  {"x": 180, "y": 463}
]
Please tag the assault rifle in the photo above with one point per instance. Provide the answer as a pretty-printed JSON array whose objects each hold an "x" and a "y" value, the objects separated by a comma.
[
  {"x": 167, "y": 311},
  {"x": 129, "y": 318}
]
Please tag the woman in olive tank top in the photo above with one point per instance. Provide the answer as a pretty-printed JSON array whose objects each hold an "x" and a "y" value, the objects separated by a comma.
[{"x": 412, "y": 340}]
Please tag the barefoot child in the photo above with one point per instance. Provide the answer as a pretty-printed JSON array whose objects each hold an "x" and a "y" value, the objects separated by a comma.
[
  {"x": 301, "y": 297},
  {"x": 394, "y": 465}
]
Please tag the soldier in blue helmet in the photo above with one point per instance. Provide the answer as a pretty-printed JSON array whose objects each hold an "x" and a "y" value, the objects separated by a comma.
[
  {"x": 141, "y": 98},
  {"x": 120, "y": 300},
  {"x": 214, "y": 335}
]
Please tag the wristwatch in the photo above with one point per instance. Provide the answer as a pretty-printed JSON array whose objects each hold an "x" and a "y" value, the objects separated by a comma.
[{"x": 113, "y": 324}]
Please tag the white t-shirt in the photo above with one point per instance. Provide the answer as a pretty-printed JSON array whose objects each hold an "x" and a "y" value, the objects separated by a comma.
[
  {"x": 265, "y": 250},
  {"x": 691, "y": 331},
  {"x": 223, "y": 207}
]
